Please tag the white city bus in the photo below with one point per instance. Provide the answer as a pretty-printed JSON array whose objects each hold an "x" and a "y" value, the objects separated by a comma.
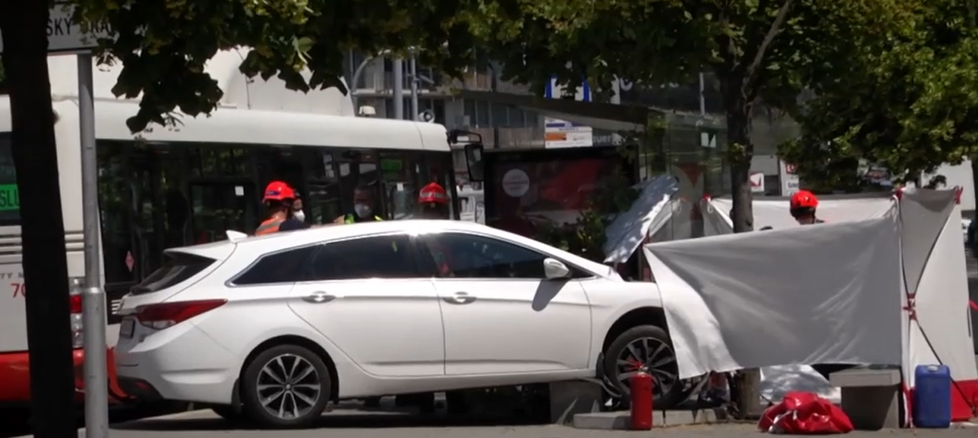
[{"x": 187, "y": 185}]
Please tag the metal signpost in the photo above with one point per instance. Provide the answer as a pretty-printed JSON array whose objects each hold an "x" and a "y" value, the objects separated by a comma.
[
  {"x": 398, "y": 88},
  {"x": 413, "y": 66},
  {"x": 66, "y": 37}
]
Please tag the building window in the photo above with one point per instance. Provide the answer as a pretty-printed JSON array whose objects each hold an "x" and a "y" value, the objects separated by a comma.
[{"x": 482, "y": 114}]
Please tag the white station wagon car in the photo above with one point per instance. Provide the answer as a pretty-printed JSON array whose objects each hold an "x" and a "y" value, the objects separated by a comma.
[{"x": 275, "y": 327}]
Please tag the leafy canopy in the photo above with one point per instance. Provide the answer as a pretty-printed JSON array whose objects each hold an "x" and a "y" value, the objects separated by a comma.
[
  {"x": 766, "y": 50},
  {"x": 163, "y": 45},
  {"x": 671, "y": 41},
  {"x": 907, "y": 102}
]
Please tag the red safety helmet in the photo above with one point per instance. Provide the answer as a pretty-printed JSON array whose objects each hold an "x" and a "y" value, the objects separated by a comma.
[
  {"x": 803, "y": 203},
  {"x": 278, "y": 191},
  {"x": 433, "y": 194}
]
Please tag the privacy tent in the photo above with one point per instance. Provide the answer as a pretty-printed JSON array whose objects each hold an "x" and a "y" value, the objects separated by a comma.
[{"x": 884, "y": 288}]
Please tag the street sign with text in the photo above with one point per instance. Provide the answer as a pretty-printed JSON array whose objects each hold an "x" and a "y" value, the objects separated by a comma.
[{"x": 66, "y": 36}]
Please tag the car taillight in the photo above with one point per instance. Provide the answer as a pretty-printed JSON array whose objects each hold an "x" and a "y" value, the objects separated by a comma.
[
  {"x": 76, "y": 303},
  {"x": 75, "y": 300},
  {"x": 165, "y": 315}
]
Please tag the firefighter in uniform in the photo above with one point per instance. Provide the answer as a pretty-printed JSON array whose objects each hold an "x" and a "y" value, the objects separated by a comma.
[
  {"x": 434, "y": 203},
  {"x": 278, "y": 200},
  {"x": 802, "y": 207}
]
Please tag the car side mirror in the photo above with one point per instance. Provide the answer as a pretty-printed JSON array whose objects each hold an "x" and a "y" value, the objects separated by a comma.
[{"x": 554, "y": 269}]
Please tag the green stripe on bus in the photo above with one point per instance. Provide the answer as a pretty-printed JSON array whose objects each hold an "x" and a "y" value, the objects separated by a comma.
[{"x": 9, "y": 197}]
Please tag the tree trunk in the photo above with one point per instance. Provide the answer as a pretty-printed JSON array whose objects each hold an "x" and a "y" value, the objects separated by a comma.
[
  {"x": 23, "y": 24},
  {"x": 740, "y": 153},
  {"x": 747, "y": 397}
]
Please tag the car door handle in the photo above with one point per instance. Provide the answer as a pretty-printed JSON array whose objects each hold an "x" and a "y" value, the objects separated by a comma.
[
  {"x": 318, "y": 297},
  {"x": 459, "y": 298}
]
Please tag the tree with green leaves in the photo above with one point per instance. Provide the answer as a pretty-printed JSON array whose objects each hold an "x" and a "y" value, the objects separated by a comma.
[
  {"x": 759, "y": 50},
  {"x": 908, "y": 102},
  {"x": 163, "y": 46}
]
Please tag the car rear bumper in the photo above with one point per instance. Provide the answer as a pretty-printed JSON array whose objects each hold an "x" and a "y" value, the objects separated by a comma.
[
  {"x": 180, "y": 363},
  {"x": 15, "y": 382}
]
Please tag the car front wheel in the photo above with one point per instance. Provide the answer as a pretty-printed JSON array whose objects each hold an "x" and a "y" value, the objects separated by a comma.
[
  {"x": 647, "y": 346},
  {"x": 286, "y": 386}
]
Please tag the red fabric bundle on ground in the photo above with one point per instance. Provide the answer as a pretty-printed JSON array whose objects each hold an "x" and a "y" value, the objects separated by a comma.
[{"x": 804, "y": 413}]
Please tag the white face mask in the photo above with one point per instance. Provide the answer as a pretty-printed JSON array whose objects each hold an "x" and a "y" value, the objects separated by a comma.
[
  {"x": 362, "y": 210},
  {"x": 300, "y": 215}
]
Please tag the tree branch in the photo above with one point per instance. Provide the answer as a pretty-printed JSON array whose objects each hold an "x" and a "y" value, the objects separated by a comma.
[{"x": 752, "y": 74}]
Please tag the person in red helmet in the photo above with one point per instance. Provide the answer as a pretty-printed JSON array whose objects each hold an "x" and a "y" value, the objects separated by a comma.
[
  {"x": 278, "y": 200},
  {"x": 433, "y": 201},
  {"x": 802, "y": 207}
]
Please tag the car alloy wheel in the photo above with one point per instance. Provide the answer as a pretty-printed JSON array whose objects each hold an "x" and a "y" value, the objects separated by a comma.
[
  {"x": 646, "y": 346},
  {"x": 289, "y": 387},
  {"x": 655, "y": 355}
]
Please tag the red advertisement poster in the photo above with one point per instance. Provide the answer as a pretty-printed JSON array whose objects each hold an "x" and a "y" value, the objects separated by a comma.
[{"x": 529, "y": 194}]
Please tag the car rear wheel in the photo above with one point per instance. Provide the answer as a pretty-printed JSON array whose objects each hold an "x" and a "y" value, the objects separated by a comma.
[
  {"x": 647, "y": 346},
  {"x": 286, "y": 386}
]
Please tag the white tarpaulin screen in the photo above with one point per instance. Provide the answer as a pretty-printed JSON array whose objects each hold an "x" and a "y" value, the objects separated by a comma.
[
  {"x": 783, "y": 297},
  {"x": 774, "y": 213},
  {"x": 930, "y": 284}
]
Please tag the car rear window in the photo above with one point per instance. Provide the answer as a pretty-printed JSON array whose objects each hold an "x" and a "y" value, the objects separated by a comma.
[{"x": 177, "y": 268}]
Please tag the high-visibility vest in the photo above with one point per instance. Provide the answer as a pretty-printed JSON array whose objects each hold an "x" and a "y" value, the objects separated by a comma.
[
  {"x": 269, "y": 226},
  {"x": 351, "y": 219}
]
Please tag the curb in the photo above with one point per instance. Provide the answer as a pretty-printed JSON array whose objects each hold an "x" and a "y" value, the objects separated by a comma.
[{"x": 660, "y": 419}]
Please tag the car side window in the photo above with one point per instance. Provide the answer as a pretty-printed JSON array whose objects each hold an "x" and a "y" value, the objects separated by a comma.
[
  {"x": 367, "y": 257},
  {"x": 281, "y": 267},
  {"x": 461, "y": 255}
]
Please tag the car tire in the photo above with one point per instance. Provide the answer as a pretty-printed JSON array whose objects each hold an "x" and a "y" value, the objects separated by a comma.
[
  {"x": 230, "y": 414},
  {"x": 274, "y": 398},
  {"x": 642, "y": 339}
]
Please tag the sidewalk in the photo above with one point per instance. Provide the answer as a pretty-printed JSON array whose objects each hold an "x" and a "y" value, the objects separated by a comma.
[{"x": 347, "y": 424}]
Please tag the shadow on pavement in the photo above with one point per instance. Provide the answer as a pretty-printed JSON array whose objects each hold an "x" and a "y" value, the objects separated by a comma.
[
  {"x": 16, "y": 421},
  {"x": 331, "y": 421}
]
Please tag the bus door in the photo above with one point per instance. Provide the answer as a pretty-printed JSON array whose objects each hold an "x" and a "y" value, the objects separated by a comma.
[{"x": 220, "y": 206}]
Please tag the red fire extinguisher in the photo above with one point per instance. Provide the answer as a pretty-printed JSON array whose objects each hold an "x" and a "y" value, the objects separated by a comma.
[{"x": 640, "y": 386}]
